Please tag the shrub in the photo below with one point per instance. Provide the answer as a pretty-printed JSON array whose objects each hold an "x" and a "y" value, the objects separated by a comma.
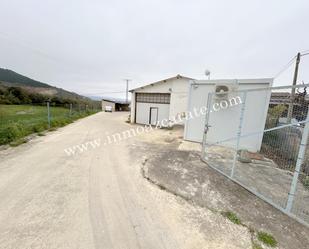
[
  {"x": 10, "y": 133},
  {"x": 39, "y": 127}
]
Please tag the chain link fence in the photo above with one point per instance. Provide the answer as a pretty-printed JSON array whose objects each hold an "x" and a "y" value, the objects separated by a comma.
[
  {"x": 19, "y": 121},
  {"x": 264, "y": 145}
]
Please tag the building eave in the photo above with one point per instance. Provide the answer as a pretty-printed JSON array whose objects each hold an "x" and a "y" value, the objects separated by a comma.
[{"x": 178, "y": 76}]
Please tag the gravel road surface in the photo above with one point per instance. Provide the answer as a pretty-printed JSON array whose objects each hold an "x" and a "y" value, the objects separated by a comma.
[{"x": 95, "y": 199}]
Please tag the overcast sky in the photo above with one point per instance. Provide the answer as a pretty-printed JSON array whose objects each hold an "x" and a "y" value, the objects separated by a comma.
[{"x": 90, "y": 46}]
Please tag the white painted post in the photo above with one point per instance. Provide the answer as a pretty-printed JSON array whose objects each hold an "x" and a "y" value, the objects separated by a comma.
[
  {"x": 208, "y": 111},
  {"x": 241, "y": 119}
]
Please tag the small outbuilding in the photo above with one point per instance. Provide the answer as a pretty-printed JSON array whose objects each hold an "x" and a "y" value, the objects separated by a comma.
[
  {"x": 115, "y": 104},
  {"x": 160, "y": 101},
  {"x": 223, "y": 99}
]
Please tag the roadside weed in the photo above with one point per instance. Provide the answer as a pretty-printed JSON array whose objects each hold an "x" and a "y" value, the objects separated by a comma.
[
  {"x": 267, "y": 239},
  {"x": 256, "y": 246},
  {"x": 232, "y": 217}
]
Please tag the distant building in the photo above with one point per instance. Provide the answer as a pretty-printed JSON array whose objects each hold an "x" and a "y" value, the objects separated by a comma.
[
  {"x": 300, "y": 103},
  {"x": 161, "y": 100},
  {"x": 278, "y": 98},
  {"x": 116, "y": 104}
]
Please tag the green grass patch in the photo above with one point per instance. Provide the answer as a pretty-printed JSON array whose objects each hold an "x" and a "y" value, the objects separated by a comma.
[
  {"x": 267, "y": 239},
  {"x": 19, "y": 121},
  {"x": 256, "y": 246},
  {"x": 232, "y": 217},
  {"x": 18, "y": 142}
]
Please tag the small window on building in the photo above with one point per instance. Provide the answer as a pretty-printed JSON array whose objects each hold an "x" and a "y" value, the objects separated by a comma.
[{"x": 159, "y": 98}]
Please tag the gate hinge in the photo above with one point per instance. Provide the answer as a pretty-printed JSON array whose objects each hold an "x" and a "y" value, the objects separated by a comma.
[{"x": 206, "y": 128}]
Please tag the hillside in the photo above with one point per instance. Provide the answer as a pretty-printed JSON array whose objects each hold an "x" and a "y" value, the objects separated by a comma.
[
  {"x": 9, "y": 79},
  {"x": 10, "y": 76}
]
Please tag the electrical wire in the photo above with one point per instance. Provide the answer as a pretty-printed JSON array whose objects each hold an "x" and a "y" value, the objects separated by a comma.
[
  {"x": 305, "y": 51},
  {"x": 285, "y": 67}
]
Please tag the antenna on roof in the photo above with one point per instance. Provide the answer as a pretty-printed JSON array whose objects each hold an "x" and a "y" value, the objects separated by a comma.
[{"x": 207, "y": 73}]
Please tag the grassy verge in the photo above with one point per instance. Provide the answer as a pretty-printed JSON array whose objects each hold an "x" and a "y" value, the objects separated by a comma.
[
  {"x": 19, "y": 121},
  {"x": 266, "y": 238}
]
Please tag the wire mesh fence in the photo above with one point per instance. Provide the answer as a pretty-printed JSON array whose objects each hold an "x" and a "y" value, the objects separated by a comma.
[
  {"x": 263, "y": 146},
  {"x": 18, "y": 121}
]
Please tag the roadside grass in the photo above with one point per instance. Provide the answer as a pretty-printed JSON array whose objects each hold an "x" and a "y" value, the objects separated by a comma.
[
  {"x": 267, "y": 239},
  {"x": 19, "y": 121},
  {"x": 18, "y": 142},
  {"x": 232, "y": 217},
  {"x": 256, "y": 246}
]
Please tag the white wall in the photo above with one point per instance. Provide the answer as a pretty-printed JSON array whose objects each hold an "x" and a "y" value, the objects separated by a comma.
[
  {"x": 143, "y": 110},
  {"x": 178, "y": 88},
  {"x": 132, "y": 107},
  {"x": 179, "y": 97},
  {"x": 225, "y": 122},
  {"x": 107, "y": 103}
]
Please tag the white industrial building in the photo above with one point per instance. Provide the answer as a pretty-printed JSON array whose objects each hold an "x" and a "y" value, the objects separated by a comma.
[
  {"x": 161, "y": 100},
  {"x": 224, "y": 124}
]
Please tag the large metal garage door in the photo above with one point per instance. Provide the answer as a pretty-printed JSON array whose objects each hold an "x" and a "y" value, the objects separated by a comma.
[{"x": 152, "y": 108}]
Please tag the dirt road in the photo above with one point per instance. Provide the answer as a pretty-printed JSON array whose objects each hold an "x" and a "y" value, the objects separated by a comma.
[{"x": 94, "y": 199}]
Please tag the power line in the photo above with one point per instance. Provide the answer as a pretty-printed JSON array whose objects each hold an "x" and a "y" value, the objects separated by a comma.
[
  {"x": 305, "y": 51},
  {"x": 285, "y": 67}
]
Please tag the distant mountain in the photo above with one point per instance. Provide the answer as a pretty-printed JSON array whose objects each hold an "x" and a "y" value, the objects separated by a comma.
[
  {"x": 98, "y": 98},
  {"x": 9, "y": 78}
]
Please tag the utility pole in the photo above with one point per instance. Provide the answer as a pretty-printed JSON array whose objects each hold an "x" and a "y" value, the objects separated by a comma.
[
  {"x": 290, "y": 110},
  {"x": 127, "y": 90}
]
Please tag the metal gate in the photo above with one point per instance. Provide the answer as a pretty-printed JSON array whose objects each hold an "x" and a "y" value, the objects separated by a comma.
[{"x": 262, "y": 146}]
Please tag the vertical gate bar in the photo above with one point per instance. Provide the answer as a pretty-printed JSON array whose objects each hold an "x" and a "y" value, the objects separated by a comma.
[
  {"x": 299, "y": 162},
  {"x": 209, "y": 101},
  {"x": 241, "y": 119}
]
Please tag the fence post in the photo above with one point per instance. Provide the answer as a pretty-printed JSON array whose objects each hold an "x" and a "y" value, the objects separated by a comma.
[
  {"x": 241, "y": 119},
  {"x": 299, "y": 162},
  {"x": 70, "y": 109},
  {"x": 206, "y": 127},
  {"x": 48, "y": 114}
]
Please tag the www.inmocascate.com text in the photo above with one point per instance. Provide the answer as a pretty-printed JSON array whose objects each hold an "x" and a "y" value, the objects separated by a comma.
[{"x": 129, "y": 133}]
